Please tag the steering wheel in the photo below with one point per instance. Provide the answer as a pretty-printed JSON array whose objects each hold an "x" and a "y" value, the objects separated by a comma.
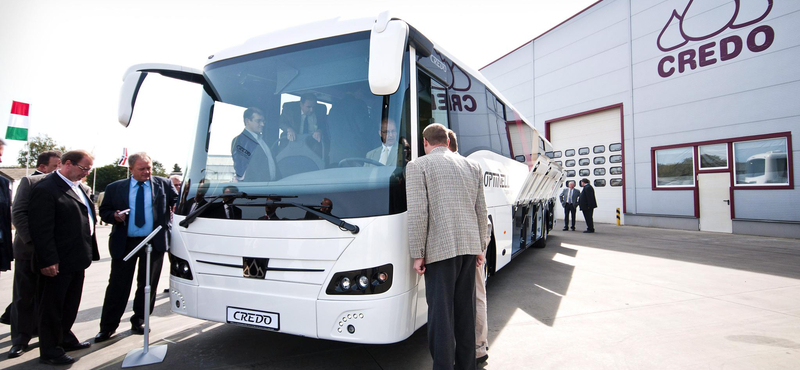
[{"x": 357, "y": 160}]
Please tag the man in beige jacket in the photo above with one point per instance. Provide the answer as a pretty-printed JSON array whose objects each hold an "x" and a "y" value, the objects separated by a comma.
[{"x": 446, "y": 228}]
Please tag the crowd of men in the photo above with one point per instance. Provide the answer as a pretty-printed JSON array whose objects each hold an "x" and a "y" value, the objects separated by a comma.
[{"x": 55, "y": 220}]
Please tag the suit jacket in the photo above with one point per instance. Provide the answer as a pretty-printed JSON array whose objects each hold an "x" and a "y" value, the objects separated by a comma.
[
  {"x": 563, "y": 197},
  {"x": 59, "y": 226},
  {"x": 587, "y": 199},
  {"x": 290, "y": 117},
  {"x": 375, "y": 155},
  {"x": 23, "y": 244},
  {"x": 447, "y": 214},
  {"x": 248, "y": 155},
  {"x": 6, "y": 250},
  {"x": 217, "y": 210},
  {"x": 116, "y": 198}
]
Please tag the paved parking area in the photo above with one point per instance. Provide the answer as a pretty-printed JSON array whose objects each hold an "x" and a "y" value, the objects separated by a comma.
[{"x": 623, "y": 298}]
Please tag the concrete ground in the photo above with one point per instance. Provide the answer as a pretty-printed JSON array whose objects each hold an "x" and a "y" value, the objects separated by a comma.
[{"x": 623, "y": 298}]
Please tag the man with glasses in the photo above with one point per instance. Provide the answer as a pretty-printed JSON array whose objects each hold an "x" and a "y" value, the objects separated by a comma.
[
  {"x": 135, "y": 207},
  {"x": 62, "y": 225},
  {"x": 386, "y": 154}
]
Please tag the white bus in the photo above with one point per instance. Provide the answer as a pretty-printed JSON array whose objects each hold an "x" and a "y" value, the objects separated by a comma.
[{"x": 334, "y": 263}]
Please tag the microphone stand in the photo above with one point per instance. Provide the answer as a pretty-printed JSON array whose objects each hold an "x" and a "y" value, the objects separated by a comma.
[{"x": 147, "y": 355}]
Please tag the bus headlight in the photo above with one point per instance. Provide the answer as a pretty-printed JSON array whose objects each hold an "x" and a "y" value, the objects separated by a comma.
[
  {"x": 373, "y": 280},
  {"x": 179, "y": 267}
]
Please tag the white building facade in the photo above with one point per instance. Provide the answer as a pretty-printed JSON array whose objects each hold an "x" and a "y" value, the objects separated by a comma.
[{"x": 682, "y": 113}]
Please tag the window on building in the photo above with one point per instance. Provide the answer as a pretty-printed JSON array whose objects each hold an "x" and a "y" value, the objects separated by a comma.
[
  {"x": 614, "y": 148},
  {"x": 599, "y": 171},
  {"x": 615, "y": 170},
  {"x": 583, "y": 151},
  {"x": 569, "y": 153},
  {"x": 550, "y": 155},
  {"x": 570, "y": 173},
  {"x": 599, "y": 160},
  {"x": 599, "y": 149},
  {"x": 557, "y": 154},
  {"x": 599, "y": 183},
  {"x": 675, "y": 167},
  {"x": 615, "y": 159},
  {"x": 615, "y": 182},
  {"x": 713, "y": 156},
  {"x": 761, "y": 162},
  {"x": 570, "y": 163},
  {"x": 583, "y": 173},
  {"x": 558, "y": 163},
  {"x": 584, "y": 161}
]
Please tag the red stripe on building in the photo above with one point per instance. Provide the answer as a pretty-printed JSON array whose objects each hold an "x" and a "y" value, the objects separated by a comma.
[{"x": 19, "y": 108}]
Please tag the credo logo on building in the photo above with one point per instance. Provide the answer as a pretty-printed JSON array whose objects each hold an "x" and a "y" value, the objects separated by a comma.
[{"x": 703, "y": 20}]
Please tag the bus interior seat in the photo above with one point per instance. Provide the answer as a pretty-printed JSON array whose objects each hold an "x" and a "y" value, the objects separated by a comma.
[{"x": 297, "y": 157}]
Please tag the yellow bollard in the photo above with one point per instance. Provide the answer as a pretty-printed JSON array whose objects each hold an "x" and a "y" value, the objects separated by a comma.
[{"x": 618, "y": 220}]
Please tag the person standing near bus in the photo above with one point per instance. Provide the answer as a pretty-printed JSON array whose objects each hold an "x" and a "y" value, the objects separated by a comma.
[
  {"x": 569, "y": 200},
  {"x": 588, "y": 203},
  {"x": 481, "y": 323},
  {"x": 446, "y": 229},
  {"x": 148, "y": 200}
]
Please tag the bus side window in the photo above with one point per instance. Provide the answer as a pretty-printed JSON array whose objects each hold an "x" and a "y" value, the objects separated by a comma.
[{"x": 432, "y": 104}]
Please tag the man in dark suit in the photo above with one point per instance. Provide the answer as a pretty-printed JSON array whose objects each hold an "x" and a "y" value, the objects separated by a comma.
[
  {"x": 61, "y": 220},
  {"x": 306, "y": 117},
  {"x": 225, "y": 209},
  {"x": 26, "y": 277},
  {"x": 148, "y": 200},
  {"x": 252, "y": 158},
  {"x": 588, "y": 203},
  {"x": 569, "y": 200},
  {"x": 6, "y": 251}
]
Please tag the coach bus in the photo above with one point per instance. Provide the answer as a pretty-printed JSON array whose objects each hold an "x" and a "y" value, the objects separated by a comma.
[{"x": 313, "y": 240}]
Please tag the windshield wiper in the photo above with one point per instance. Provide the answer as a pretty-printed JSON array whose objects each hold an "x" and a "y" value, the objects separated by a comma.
[
  {"x": 343, "y": 225},
  {"x": 192, "y": 216}
]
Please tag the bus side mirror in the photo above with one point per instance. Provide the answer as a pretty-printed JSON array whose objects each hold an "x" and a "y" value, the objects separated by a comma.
[
  {"x": 387, "y": 43},
  {"x": 127, "y": 96}
]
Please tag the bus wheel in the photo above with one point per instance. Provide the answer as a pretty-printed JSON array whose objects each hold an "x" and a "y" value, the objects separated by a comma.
[{"x": 542, "y": 242}]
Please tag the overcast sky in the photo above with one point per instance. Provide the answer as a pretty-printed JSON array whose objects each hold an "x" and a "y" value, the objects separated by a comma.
[{"x": 66, "y": 58}]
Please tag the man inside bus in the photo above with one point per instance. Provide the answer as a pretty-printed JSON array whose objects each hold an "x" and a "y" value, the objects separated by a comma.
[
  {"x": 569, "y": 200},
  {"x": 481, "y": 323},
  {"x": 387, "y": 152},
  {"x": 447, "y": 220},
  {"x": 252, "y": 158},
  {"x": 306, "y": 117}
]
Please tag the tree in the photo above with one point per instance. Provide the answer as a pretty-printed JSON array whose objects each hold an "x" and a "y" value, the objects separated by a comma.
[
  {"x": 35, "y": 146},
  {"x": 106, "y": 175},
  {"x": 158, "y": 169},
  {"x": 176, "y": 168}
]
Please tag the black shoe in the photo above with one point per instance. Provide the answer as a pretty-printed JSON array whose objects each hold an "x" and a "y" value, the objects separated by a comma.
[
  {"x": 588, "y": 231},
  {"x": 481, "y": 360},
  {"x": 17, "y": 350},
  {"x": 63, "y": 360},
  {"x": 565, "y": 229},
  {"x": 4, "y": 319},
  {"x": 573, "y": 229},
  {"x": 103, "y": 336},
  {"x": 137, "y": 329},
  {"x": 76, "y": 346}
]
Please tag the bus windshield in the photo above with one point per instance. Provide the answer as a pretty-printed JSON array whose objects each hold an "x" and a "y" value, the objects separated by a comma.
[{"x": 300, "y": 124}]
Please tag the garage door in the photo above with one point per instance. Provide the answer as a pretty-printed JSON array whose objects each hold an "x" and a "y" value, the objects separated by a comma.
[{"x": 590, "y": 146}]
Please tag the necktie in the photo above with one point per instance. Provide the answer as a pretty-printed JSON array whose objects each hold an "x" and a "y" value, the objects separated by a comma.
[
  {"x": 303, "y": 124},
  {"x": 569, "y": 196},
  {"x": 384, "y": 155},
  {"x": 140, "y": 205}
]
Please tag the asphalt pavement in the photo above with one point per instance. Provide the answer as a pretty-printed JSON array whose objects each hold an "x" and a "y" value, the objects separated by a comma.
[{"x": 622, "y": 298}]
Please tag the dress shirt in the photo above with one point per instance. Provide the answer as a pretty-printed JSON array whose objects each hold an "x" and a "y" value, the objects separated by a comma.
[
  {"x": 569, "y": 196},
  {"x": 385, "y": 154},
  {"x": 133, "y": 230},
  {"x": 76, "y": 187}
]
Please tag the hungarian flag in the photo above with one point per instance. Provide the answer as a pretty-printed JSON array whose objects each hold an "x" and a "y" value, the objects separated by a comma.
[
  {"x": 19, "y": 122},
  {"x": 123, "y": 161}
]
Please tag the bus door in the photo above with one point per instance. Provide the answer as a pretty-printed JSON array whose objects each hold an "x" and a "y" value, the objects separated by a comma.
[{"x": 431, "y": 104}]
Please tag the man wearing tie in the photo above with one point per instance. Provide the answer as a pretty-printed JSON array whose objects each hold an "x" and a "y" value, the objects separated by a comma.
[
  {"x": 588, "y": 203},
  {"x": 386, "y": 154},
  {"x": 225, "y": 209},
  {"x": 252, "y": 158},
  {"x": 135, "y": 207},
  {"x": 61, "y": 220},
  {"x": 569, "y": 200},
  {"x": 306, "y": 117}
]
